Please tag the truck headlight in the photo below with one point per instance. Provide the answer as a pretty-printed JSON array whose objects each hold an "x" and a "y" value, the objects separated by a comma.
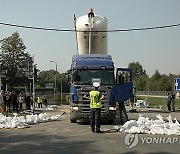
[
  {"x": 112, "y": 108},
  {"x": 75, "y": 108}
]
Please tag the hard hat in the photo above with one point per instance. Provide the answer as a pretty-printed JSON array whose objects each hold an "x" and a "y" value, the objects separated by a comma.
[{"x": 96, "y": 84}]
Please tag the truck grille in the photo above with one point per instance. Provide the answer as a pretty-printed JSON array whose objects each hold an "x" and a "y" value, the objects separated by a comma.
[
  {"x": 84, "y": 104},
  {"x": 85, "y": 107}
]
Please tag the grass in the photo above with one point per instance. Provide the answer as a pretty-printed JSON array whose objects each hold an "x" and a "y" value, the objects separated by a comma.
[{"x": 156, "y": 102}]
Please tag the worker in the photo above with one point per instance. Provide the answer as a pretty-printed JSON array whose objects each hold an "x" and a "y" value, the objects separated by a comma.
[
  {"x": 39, "y": 101},
  {"x": 21, "y": 100},
  {"x": 121, "y": 78},
  {"x": 169, "y": 102},
  {"x": 122, "y": 109},
  {"x": 95, "y": 108},
  {"x": 173, "y": 102},
  {"x": 91, "y": 13}
]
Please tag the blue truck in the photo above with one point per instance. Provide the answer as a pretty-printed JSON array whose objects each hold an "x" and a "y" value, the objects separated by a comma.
[
  {"x": 115, "y": 85},
  {"x": 93, "y": 64}
]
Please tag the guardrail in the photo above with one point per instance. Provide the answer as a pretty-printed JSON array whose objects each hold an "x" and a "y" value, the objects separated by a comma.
[
  {"x": 163, "y": 94},
  {"x": 154, "y": 93}
]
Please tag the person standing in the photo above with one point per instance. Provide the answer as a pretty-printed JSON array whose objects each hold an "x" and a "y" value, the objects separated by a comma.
[
  {"x": 121, "y": 78},
  {"x": 1, "y": 102},
  {"x": 95, "y": 108},
  {"x": 132, "y": 100},
  {"x": 9, "y": 101},
  {"x": 21, "y": 99},
  {"x": 169, "y": 102},
  {"x": 5, "y": 101},
  {"x": 173, "y": 102},
  {"x": 39, "y": 101},
  {"x": 44, "y": 100},
  {"x": 28, "y": 101},
  {"x": 122, "y": 109},
  {"x": 15, "y": 102}
]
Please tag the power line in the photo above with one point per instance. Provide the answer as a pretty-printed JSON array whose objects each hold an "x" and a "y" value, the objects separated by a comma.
[
  {"x": 146, "y": 28},
  {"x": 71, "y": 30},
  {"x": 36, "y": 28}
]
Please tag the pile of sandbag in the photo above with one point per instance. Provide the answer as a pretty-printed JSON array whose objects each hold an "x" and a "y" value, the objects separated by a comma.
[
  {"x": 24, "y": 121},
  {"x": 149, "y": 126}
]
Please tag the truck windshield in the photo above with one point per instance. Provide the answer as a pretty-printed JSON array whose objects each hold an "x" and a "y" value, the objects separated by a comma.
[{"x": 104, "y": 77}]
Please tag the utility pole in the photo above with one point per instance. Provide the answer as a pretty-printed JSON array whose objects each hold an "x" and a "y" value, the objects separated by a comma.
[
  {"x": 55, "y": 83},
  {"x": 33, "y": 78},
  {"x": 0, "y": 82},
  {"x": 61, "y": 91}
]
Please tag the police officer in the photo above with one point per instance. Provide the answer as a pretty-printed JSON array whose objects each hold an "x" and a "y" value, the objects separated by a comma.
[
  {"x": 95, "y": 107},
  {"x": 39, "y": 101}
]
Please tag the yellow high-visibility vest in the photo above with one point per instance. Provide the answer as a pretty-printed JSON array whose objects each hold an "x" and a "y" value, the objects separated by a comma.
[
  {"x": 94, "y": 99},
  {"x": 39, "y": 100}
]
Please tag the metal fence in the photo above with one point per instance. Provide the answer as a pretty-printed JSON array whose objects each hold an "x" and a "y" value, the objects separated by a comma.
[{"x": 153, "y": 93}]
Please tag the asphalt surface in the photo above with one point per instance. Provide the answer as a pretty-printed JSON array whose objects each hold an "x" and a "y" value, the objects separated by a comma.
[{"x": 64, "y": 137}]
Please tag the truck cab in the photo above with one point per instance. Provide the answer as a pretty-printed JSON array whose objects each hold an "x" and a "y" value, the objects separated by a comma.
[{"x": 115, "y": 86}]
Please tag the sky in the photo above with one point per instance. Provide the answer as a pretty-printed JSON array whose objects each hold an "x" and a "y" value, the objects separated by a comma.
[{"x": 153, "y": 49}]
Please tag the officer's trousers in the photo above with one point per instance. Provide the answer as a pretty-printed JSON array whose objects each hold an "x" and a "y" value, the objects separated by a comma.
[{"x": 95, "y": 119}]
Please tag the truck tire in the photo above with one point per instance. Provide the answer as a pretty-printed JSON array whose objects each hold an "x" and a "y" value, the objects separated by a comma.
[{"x": 73, "y": 120}]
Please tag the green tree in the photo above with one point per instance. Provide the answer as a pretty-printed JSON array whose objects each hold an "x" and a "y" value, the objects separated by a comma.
[
  {"x": 137, "y": 69},
  {"x": 154, "y": 83},
  {"x": 47, "y": 77},
  {"x": 156, "y": 76},
  {"x": 165, "y": 83},
  {"x": 13, "y": 60},
  {"x": 142, "y": 83},
  {"x": 139, "y": 75},
  {"x": 50, "y": 76},
  {"x": 162, "y": 82},
  {"x": 171, "y": 77}
]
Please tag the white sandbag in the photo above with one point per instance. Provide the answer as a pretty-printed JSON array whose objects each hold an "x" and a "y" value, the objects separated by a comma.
[
  {"x": 130, "y": 123},
  {"x": 56, "y": 117},
  {"x": 150, "y": 126}
]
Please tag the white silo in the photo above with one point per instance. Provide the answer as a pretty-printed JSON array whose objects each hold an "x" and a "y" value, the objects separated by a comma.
[{"x": 89, "y": 40}]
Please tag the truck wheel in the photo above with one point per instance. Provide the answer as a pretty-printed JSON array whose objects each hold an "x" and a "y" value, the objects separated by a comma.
[{"x": 73, "y": 120}]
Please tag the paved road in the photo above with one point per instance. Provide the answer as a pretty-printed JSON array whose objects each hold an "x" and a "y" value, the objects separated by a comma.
[{"x": 64, "y": 137}]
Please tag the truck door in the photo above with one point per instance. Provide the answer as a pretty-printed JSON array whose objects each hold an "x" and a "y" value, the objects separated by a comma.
[{"x": 124, "y": 84}]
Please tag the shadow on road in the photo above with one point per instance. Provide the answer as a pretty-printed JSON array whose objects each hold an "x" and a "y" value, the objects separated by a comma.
[{"x": 46, "y": 144}]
